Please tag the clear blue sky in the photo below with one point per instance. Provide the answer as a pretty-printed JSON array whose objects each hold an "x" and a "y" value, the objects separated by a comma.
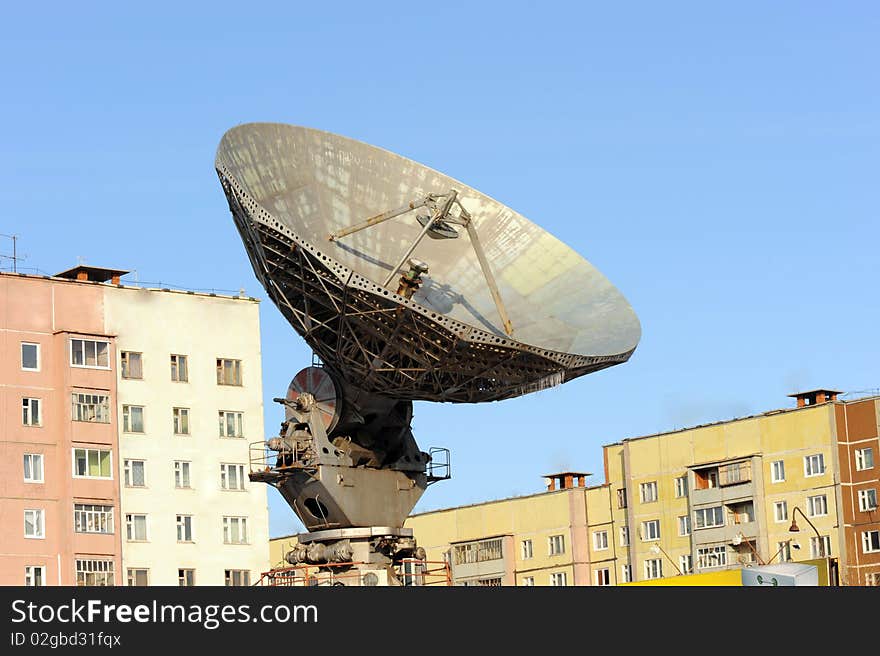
[{"x": 718, "y": 162}]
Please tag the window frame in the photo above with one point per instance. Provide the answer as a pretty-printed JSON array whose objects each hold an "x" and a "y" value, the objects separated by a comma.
[
  {"x": 600, "y": 537},
  {"x": 717, "y": 550},
  {"x": 104, "y": 567},
  {"x": 87, "y": 451},
  {"x": 811, "y": 505},
  {"x": 556, "y": 544},
  {"x": 131, "y": 526},
  {"x": 558, "y": 579},
  {"x": 773, "y": 472},
  {"x": 652, "y": 562},
  {"x": 650, "y": 485},
  {"x": 41, "y": 524},
  {"x": 776, "y": 506},
  {"x": 177, "y": 414},
  {"x": 178, "y": 469},
  {"x": 186, "y": 577},
  {"x": 27, "y": 408},
  {"x": 229, "y": 576},
  {"x": 32, "y": 457},
  {"x": 867, "y": 541},
  {"x": 687, "y": 525},
  {"x": 681, "y": 486},
  {"x": 808, "y": 466},
  {"x": 686, "y": 563},
  {"x": 30, "y": 579},
  {"x": 126, "y": 419},
  {"x": 527, "y": 549},
  {"x": 602, "y": 577},
  {"x": 127, "y": 469},
  {"x": 96, "y": 342},
  {"x": 128, "y": 576},
  {"x": 645, "y": 524},
  {"x": 186, "y": 522},
  {"x": 242, "y": 521},
  {"x": 238, "y": 421},
  {"x": 860, "y": 458},
  {"x": 864, "y": 498},
  {"x": 75, "y": 402},
  {"x": 123, "y": 361},
  {"x": 21, "y": 356},
  {"x": 175, "y": 367},
  {"x": 623, "y": 536},
  {"x": 83, "y": 512},
  {"x": 224, "y": 476},
  {"x": 237, "y": 369}
]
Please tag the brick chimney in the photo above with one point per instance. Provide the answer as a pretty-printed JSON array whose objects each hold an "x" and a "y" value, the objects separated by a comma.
[
  {"x": 566, "y": 480},
  {"x": 814, "y": 397}
]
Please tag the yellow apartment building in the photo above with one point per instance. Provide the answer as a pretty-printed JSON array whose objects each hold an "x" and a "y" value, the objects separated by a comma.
[{"x": 700, "y": 500}]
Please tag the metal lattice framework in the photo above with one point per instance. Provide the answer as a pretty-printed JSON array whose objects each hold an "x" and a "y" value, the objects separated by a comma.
[{"x": 382, "y": 342}]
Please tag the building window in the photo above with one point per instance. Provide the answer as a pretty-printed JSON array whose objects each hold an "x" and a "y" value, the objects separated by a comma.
[
  {"x": 681, "y": 486},
  {"x": 814, "y": 465},
  {"x": 237, "y": 577},
  {"x": 526, "y": 549},
  {"x": 34, "y": 575},
  {"x": 603, "y": 576},
  {"x": 136, "y": 528},
  {"x": 709, "y": 517},
  {"x": 742, "y": 513},
  {"x": 235, "y": 530},
  {"x": 231, "y": 476},
  {"x": 184, "y": 528},
  {"x": 91, "y": 463},
  {"x": 94, "y": 572},
  {"x": 179, "y": 372},
  {"x": 30, "y": 356},
  {"x": 228, "y": 372},
  {"x": 868, "y": 499},
  {"x": 138, "y": 577},
  {"x": 710, "y": 557},
  {"x": 777, "y": 471},
  {"x": 556, "y": 545},
  {"x": 528, "y": 581},
  {"x": 872, "y": 579},
  {"x": 558, "y": 579},
  {"x": 186, "y": 578},
  {"x": 91, "y": 407},
  {"x": 477, "y": 552},
  {"x": 780, "y": 511},
  {"x": 817, "y": 505},
  {"x": 684, "y": 525},
  {"x": 131, "y": 365},
  {"x": 33, "y": 467},
  {"x": 686, "y": 564},
  {"x": 706, "y": 479},
  {"x": 231, "y": 424},
  {"x": 648, "y": 492},
  {"x": 34, "y": 524},
  {"x": 132, "y": 419},
  {"x": 621, "y": 498},
  {"x": 626, "y": 574},
  {"x": 30, "y": 412},
  {"x": 871, "y": 541},
  {"x": 624, "y": 536},
  {"x": 91, "y": 353},
  {"x": 820, "y": 548},
  {"x": 600, "y": 540},
  {"x": 784, "y": 551},
  {"x": 181, "y": 421},
  {"x": 653, "y": 568},
  {"x": 90, "y": 518},
  {"x": 864, "y": 459},
  {"x": 181, "y": 474},
  {"x": 135, "y": 473},
  {"x": 651, "y": 530}
]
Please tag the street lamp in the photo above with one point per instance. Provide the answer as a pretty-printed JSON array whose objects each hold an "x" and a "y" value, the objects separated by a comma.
[
  {"x": 657, "y": 549},
  {"x": 794, "y": 529}
]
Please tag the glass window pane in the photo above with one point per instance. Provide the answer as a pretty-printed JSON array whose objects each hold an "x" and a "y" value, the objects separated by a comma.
[
  {"x": 77, "y": 352},
  {"x": 91, "y": 353},
  {"x": 94, "y": 464},
  {"x": 29, "y": 356},
  {"x": 105, "y": 463},
  {"x": 103, "y": 356}
]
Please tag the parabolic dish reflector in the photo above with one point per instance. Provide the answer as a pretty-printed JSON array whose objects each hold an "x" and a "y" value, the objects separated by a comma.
[{"x": 290, "y": 188}]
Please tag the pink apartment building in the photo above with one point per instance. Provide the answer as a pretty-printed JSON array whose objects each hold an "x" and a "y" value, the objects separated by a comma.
[{"x": 59, "y": 493}]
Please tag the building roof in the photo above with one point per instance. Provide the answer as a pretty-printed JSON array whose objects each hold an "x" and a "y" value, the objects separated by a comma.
[{"x": 815, "y": 391}]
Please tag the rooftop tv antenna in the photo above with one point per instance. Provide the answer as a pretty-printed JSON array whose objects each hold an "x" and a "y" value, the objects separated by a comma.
[{"x": 488, "y": 307}]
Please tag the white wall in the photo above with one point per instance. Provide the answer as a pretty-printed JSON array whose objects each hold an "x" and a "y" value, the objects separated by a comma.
[{"x": 157, "y": 324}]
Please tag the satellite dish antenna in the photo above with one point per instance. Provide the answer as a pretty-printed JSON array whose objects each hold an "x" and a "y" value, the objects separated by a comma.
[{"x": 408, "y": 285}]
